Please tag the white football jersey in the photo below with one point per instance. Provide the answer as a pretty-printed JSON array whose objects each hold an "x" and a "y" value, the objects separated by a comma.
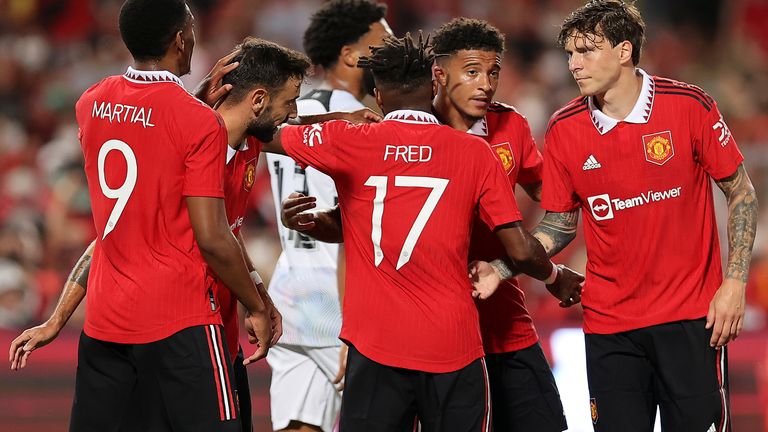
[{"x": 304, "y": 286}]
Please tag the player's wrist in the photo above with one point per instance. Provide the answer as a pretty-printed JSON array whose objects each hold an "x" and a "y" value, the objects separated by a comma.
[
  {"x": 553, "y": 274},
  {"x": 256, "y": 278}
]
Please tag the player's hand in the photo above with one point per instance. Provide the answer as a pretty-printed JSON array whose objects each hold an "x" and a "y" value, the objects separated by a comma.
[
  {"x": 210, "y": 89},
  {"x": 259, "y": 328},
  {"x": 339, "y": 379},
  {"x": 485, "y": 279},
  {"x": 28, "y": 341},
  {"x": 276, "y": 319},
  {"x": 364, "y": 115},
  {"x": 292, "y": 212},
  {"x": 567, "y": 287},
  {"x": 726, "y": 312}
]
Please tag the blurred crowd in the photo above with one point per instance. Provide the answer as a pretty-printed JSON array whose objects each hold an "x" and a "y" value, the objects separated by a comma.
[{"x": 52, "y": 50}]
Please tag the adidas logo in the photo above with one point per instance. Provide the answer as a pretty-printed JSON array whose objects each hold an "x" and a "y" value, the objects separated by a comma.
[{"x": 591, "y": 163}]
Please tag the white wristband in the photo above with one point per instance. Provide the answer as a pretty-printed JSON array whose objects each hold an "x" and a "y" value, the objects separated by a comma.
[
  {"x": 552, "y": 276},
  {"x": 256, "y": 278}
]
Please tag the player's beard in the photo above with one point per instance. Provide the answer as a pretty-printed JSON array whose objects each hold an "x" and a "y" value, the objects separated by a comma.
[
  {"x": 262, "y": 127},
  {"x": 368, "y": 83}
]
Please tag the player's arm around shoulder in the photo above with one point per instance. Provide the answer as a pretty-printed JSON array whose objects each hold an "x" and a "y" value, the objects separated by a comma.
[{"x": 726, "y": 311}]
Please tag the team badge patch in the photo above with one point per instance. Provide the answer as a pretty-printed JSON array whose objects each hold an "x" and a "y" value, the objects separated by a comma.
[
  {"x": 593, "y": 409},
  {"x": 507, "y": 158},
  {"x": 658, "y": 147},
  {"x": 250, "y": 175}
]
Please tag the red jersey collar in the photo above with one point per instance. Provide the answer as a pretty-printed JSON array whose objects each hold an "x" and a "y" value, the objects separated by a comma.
[
  {"x": 149, "y": 77},
  {"x": 639, "y": 114},
  {"x": 412, "y": 116}
]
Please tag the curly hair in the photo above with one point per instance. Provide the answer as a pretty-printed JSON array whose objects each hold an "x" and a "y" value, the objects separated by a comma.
[
  {"x": 263, "y": 63},
  {"x": 615, "y": 20},
  {"x": 401, "y": 63},
  {"x": 467, "y": 34},
  {"x": 339, "y": 23}
]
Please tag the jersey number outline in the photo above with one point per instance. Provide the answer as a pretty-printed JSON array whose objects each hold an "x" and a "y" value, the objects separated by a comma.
[
  {"x": 123, "y": 193},
  {"x": 437, "y": 185}
]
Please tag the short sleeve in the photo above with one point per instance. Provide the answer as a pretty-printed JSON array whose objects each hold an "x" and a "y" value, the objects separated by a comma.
[
  {"x": 714, "y": 148},
  {"x": 314, "y": 145},
  {"x": 557, "y": 193},
  {"x": 532, "y": 163},
  {"x": 205, "y": 157},
  {"x": 497, "y": 205}
]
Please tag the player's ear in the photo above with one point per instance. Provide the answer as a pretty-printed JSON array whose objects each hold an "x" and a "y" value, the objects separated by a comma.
[
  {"x": 349, "y": 56},
  {"x": 259, "y": 100},
  {"x": 439, "y": 75},
  {"x": 625, "y": 52},
  {"x": 179, "y": 42},
  {"x": 377, "y": 96}
]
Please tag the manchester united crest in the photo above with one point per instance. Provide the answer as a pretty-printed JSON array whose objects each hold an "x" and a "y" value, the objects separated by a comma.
[
  {"x": 593, "y": 409},
  {"x": 507, "y": 158},
  {"x": 250, "y": 175},
  {"x": 658, "y": 147}
]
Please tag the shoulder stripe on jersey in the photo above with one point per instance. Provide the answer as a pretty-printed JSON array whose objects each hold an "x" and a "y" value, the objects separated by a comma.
[
  {"x": 574, "y": 105},
  {"x": 563, "y": 117},
  {"x": 684, "y": 93},
  {"x": 497, "y": 106},
  {"x": 668, "y": 83}
]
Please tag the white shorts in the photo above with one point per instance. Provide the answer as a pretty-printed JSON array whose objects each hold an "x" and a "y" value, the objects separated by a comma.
[{"x": 302, "y": 386}]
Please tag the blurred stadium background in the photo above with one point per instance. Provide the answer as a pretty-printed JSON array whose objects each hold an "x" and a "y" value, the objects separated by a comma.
[{"x": 51, "y": 50}]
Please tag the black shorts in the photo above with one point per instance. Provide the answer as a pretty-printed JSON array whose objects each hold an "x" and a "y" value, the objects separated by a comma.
[
  {"x": 524, "y": 395},
  {"x": 243, "y": 392},
  {"x": 670, "y": 366},
  {"x": 384, "y": 398},
  {"x": 183, "y": 383}
]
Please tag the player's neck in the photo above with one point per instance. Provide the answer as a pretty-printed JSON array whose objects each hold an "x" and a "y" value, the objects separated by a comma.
[
  {"x": 338, "y": 78},
  {"x": 448, "y": 114},
  {"x": 236, "y": 127},
  {"x": 619, "y": 100},
  {"x": 163, "y": 64}
]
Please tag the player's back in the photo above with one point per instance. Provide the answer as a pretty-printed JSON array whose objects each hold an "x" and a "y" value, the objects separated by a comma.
[
  {"x": 408, "y": 190},
  {"x": 147, "y": 144}
]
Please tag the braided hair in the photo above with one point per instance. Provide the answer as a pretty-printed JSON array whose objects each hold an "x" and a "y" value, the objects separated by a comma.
[{"x": 401, "y": 63}]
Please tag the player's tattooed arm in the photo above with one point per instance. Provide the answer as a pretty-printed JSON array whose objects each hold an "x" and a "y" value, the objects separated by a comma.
[
  {"x": 72, "y": 295},
  {"x": 555, "y": 231},
  {"x": 742, "y": 222}
]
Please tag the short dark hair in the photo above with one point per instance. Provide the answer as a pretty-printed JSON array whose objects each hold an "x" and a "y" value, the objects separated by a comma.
[
  {"x": 401, "y": 63},
  {"x": 339, "y": 23},
  {"x": 467, "y": 34},
  {"x": 615, "y": 20},
  {"x": 263, "y": 63},
  {"x": 149, "y": 26}
]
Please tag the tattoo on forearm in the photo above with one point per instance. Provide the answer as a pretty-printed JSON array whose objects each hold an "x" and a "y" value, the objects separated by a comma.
[
  {"x": 503, "y": 267},
  {"x": 80, "y": 273},
  {"x": 556, "y": 230},
  {"x": 742, "y": 222}
]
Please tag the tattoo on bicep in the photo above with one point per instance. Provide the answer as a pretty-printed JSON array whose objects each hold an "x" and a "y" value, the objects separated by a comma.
[
  {"x": 742, "y": 222},
  {"x": 556, "y": 230}
]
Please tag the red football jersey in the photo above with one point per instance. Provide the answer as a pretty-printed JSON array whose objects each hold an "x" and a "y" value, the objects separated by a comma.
[
  {"x": 644, "y": 188},
  {"x": 505, "y": 322},
  {"x": 240, "y": 173},
  {"x": 408, "y": 189},
  {"x": 147, "y": 145}
]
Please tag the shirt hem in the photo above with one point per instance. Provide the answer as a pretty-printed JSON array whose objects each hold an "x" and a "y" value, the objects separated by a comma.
[
  {"x": 613, "y": 329},
  {"x": 506, "y": 345},
  {"x": 151, "y": 336},
  {"x": 388, "y": 359}
]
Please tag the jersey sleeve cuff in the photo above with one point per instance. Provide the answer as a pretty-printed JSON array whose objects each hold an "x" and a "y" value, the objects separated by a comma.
[{"x": 213, "y": 193}]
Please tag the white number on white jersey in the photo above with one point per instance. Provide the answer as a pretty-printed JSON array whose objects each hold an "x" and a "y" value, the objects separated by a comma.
[
  {"x": 437, "y": 185},
  {"x": 123, "y": 193}
]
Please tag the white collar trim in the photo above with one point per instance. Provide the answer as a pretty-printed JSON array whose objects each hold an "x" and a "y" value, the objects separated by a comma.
[
  {"x": 232, "y": 152},
  {"x": 480, "y": 128},
  {"x": 150, "y": 77},
  {"x": 412, "y": 116},
  {"x": 640, "y": 113}
]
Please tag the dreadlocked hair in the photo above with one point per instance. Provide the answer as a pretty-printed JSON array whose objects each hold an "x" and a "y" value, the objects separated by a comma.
[{"x": 401, "y": 63}]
